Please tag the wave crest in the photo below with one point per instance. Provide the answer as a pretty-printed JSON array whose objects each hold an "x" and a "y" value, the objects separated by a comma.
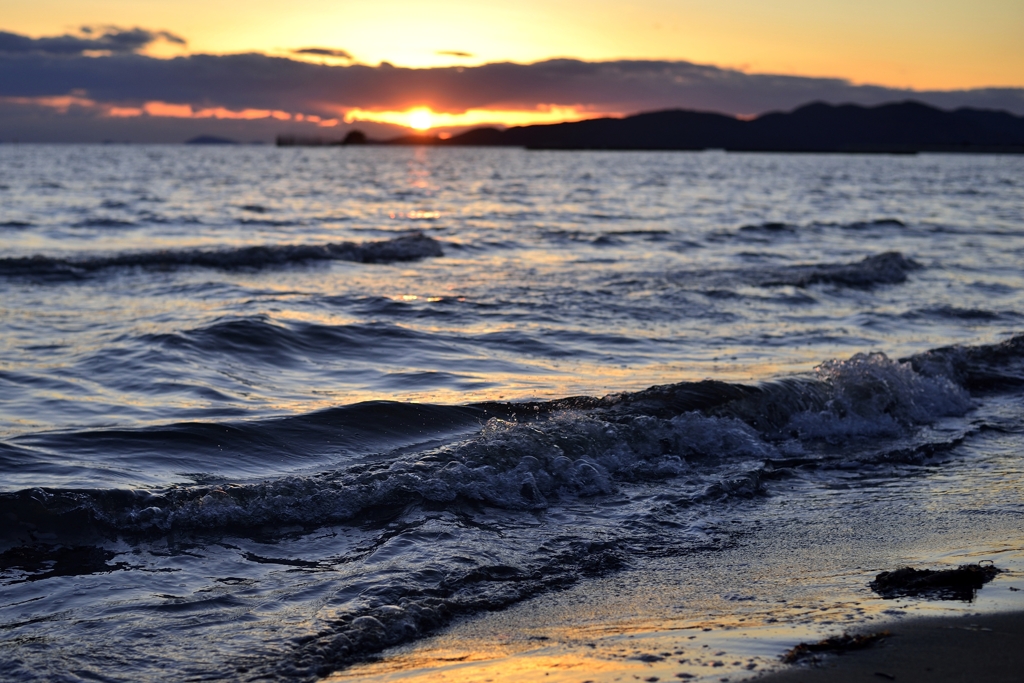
[
  {"x": 716, "y": 439},
  {"x": 406, "y": 248},
  {"x": 887, "y": 268},
  {"x": 872, "y": 395}
]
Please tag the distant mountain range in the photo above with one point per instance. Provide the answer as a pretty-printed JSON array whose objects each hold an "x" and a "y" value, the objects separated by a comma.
[{"x": 904, "y": 127}]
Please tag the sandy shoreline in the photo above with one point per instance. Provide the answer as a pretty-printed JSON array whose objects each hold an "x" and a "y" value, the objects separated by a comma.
[
  {"x": 935, "y": 650},
  {"x": 779, "y": 578},
  {"x": 568, "y": 638},
  {"x": 944, "y": 649},
  {"x": 792, "y": 567}
]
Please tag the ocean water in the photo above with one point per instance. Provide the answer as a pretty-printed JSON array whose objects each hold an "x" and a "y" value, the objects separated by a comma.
[{"x": 266, "y": 413}]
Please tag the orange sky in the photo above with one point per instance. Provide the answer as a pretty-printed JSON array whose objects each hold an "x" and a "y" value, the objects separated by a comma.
[{"x": 923, "y": 44}]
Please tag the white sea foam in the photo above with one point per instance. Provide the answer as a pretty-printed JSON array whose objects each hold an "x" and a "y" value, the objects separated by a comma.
[{"x": 872, "y": 395}]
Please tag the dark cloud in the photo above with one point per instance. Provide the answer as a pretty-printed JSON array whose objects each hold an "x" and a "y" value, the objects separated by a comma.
[
  {"x": 455, "y": 53},
  {"x": 103, "y": 39},
  {"x": 37, "y": 123},
  {"x": 323, "y": 52},
  {"x": 256, "y": 81}
]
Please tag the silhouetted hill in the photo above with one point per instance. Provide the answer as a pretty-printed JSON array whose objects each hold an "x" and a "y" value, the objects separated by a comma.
[{"x": 893, "y": 128}]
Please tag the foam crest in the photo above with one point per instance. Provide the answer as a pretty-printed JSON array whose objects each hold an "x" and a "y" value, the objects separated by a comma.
[
  {"x": 873, "y": 395},
  {"x": 509, "y": 465}
]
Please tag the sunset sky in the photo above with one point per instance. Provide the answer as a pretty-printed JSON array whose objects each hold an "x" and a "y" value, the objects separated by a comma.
[{"x": 901, "y": 45}]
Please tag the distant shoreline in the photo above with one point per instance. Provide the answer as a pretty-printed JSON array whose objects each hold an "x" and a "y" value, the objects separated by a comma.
[{"x": 898, "y": 128}]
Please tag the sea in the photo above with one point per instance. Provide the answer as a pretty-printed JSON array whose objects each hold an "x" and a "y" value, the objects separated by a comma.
[{"x": 281, "y": 413}]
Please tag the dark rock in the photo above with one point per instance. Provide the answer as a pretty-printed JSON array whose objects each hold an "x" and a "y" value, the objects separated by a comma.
[
  {"x": 355, "y": 137},
  {"x": 961, "y": 583}
]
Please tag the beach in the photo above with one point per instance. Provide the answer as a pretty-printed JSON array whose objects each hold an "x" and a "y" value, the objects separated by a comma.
[
  {"x": 981, "y": 647},
  {"x": 405, "y": 413},
  {"x": 731, "y": 613},
  {"x": 941, "y": 649}
]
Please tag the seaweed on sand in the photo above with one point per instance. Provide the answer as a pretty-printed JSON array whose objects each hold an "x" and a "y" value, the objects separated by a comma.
[{"x": 833, "y": 645}]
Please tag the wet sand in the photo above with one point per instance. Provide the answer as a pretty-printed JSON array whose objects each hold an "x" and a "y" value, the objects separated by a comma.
[
  {"x": 982, "y": 648},
  {"x": 950, "y": 649},
  {"x": 730, "y": 612},
  {"x": 618, "y": 630}
]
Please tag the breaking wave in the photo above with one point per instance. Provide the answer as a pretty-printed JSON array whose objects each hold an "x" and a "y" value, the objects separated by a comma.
[{"x": 529, "y": 456}]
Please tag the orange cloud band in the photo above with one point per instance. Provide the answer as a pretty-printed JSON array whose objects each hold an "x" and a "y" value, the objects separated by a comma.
[
  {"x": 416, "y": 118},
  {"x": 158, "y": 109},
  {"x": 424, "y": 118}
]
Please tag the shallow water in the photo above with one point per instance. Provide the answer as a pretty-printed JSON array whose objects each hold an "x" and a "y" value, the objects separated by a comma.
[{"x": 266, "y": 412}]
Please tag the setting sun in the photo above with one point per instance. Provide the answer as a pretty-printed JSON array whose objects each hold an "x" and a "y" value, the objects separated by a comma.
[
  {"x": 423, "y": 118},
  {"x": 420, "y": 119}
]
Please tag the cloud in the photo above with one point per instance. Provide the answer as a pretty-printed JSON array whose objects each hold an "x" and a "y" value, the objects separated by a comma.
[
  {"x": 455, "y": 53},
  {"x": 34, "y": 68},
  {"x": 323, "y": 52},
  {"x": 70, "y": 119},
  {"x": 109, "y": 39}
]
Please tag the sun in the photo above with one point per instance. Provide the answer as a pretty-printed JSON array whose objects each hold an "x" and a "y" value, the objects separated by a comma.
[{"x": 420, "y": 118}]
